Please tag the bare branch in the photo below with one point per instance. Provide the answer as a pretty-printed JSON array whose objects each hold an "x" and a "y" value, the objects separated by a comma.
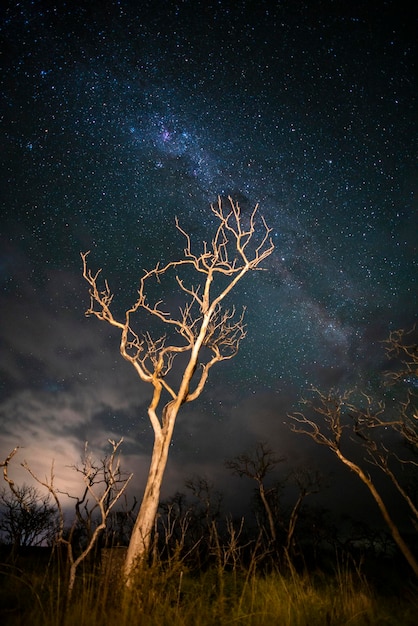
[{"x": 5, "y": 466}]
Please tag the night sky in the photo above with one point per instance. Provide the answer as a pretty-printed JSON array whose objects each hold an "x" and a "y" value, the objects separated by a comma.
[{"x": 117, "y": 116}]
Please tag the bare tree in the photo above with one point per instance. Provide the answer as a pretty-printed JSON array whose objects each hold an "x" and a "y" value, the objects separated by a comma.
[
  {"x": 27, "y": 518},
  {"x": 308, "y": 482},
  {"x": 104, "y": 484},
  {"x": 333, "y": 420},
  {"x": 196, "y": 512},
  {"x": 256, "y": 465},
  {"x": 120, "y": 523},
  {"x": 203, "y": 332},
  {"x": 207, "y": 500}
]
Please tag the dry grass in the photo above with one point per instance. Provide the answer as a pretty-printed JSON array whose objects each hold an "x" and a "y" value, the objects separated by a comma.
[{"x": 173, "y": 596}]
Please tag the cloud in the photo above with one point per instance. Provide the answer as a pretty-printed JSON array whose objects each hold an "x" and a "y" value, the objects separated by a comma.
[{"x": 61, "y": 372}]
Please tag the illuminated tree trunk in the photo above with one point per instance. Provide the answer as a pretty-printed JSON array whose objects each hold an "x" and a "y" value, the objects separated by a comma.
[
  {"x": 163, "y": 432},
  {"x": 142, "y": 532}
]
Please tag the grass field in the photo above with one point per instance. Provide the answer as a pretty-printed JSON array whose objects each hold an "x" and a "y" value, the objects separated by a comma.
[{"x": 32, "y": 593}]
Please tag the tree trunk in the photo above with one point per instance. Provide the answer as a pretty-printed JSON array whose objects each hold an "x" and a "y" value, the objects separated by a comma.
[
  {"x": 269, "y": 512},
  {"x": 404, "y": 548},
  {"x": 142, "y": 532}
]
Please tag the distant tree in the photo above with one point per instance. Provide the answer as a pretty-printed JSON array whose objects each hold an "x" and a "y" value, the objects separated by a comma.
[
  {"x": 386, "y": 432},
  {"x": 307, "y": 482},
  {"x": 257, "y": 464},
  {"x": 317, "y": 534},
  {"x": 186, "y": 522},
  {"x": 104, "y": 484},
  {"x": 202, "y": 332},
  {"x": 120, "y": 523},
  {"x": 207, "y": 500},
  {"x": 27, "y": 518}
]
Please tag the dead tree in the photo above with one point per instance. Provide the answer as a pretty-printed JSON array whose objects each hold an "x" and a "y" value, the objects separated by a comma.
[
  {"x": 256, "y": 465},
  {"x": 203, "y": 332},
  {"x": 27, "y": 517},
  {"x": 104, "y": 484},
  {"x": 333, "y": 420},
  {"x": 308, "y": 482}
]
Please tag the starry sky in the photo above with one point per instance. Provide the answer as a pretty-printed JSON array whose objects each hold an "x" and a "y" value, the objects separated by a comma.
[{"x": 117, "y": 116}]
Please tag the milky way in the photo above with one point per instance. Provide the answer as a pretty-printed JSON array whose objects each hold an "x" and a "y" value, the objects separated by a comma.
[{"x": 117, "y": 117}]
